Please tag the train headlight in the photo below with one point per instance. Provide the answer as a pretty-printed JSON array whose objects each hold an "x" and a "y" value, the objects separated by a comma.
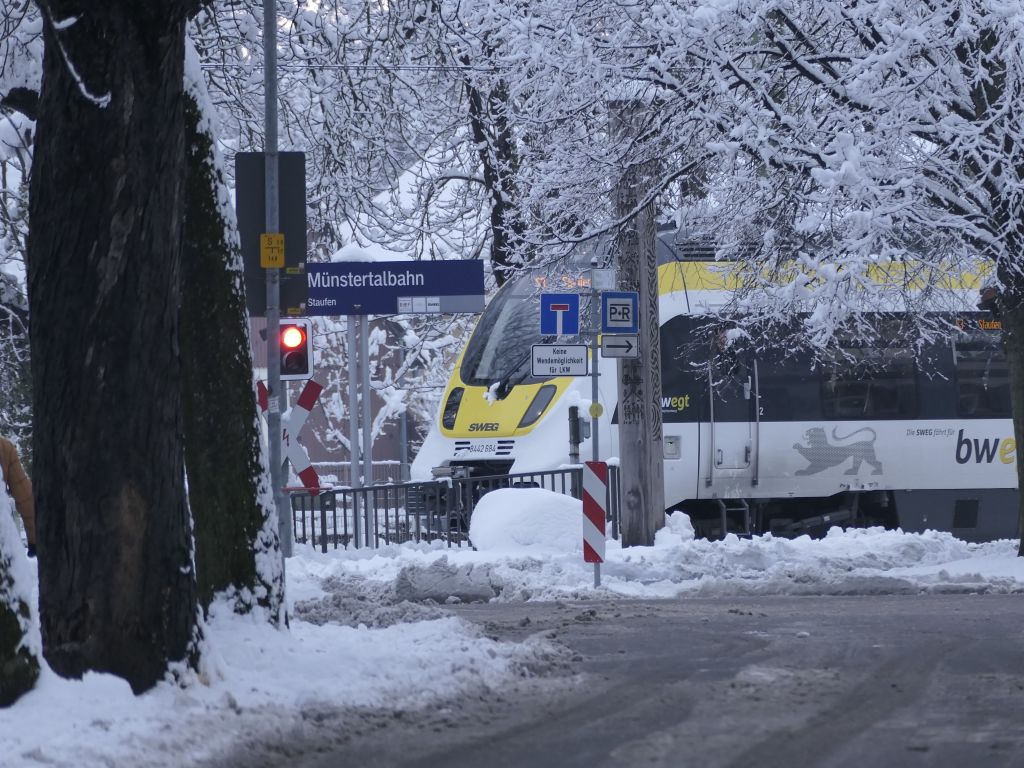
[
  {"x": 540, "y": 402},
  {"x": 451, "y": 408}
]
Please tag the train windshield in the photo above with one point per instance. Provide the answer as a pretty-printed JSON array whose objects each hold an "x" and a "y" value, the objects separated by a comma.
[{"x": 499, "y": 350}]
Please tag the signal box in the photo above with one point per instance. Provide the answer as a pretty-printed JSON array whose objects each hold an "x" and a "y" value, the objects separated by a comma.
[{"x": 295, "y": 344}]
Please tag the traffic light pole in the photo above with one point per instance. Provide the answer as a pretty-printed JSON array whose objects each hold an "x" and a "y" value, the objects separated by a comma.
[
  {"x": 353, "y": 419},
  {"x": 273, "y": 277},
  {"x": 364, "y": 374}
]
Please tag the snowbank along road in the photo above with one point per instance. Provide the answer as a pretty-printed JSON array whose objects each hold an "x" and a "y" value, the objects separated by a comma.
[{"x": 924, "y": 680}]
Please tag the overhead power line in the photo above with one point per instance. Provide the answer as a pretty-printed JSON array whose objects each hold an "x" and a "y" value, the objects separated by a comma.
[
  {"x": 385, "y": 67},
  {"x": 388, "y": 67}
]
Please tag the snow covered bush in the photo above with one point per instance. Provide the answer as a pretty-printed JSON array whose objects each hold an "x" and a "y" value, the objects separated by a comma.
[{"x": 19, "y": 660}]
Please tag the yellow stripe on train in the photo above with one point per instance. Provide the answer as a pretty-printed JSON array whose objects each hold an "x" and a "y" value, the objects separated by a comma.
[{"x": 730, "y": 275}]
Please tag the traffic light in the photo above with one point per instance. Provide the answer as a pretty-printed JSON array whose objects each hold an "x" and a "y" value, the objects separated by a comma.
[{"x": 295, "y": 343}]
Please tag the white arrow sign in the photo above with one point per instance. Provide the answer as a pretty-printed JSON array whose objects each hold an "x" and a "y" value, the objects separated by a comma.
[{"x": 623, "y": 345}]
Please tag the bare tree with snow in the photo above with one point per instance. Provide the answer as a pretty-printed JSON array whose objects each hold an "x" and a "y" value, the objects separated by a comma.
[
  {"x": 869, "y": 155},
  {"x": 845, "y": 158}
]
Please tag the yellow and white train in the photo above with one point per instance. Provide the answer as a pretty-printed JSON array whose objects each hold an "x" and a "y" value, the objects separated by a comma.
[{"x": 782, "y": 443}]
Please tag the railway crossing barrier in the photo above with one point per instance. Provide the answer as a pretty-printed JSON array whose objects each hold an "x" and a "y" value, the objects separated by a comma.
[
  {"x": 291, "y": 426},
  {"x": 436, "y": 510}
]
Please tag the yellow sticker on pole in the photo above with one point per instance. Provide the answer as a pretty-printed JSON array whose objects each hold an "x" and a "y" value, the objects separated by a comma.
[
  {"x": 596, "y": 409},
  {"x": 272, "y": 250}
]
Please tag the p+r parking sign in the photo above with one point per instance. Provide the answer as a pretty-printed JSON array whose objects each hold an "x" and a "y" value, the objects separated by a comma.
[{"x": 619, "y": 312}]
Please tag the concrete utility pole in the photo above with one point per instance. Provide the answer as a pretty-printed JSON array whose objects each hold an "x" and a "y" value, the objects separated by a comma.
[
  {"x": 273, "y": 277},
  {"x": 641, "y": 457}
]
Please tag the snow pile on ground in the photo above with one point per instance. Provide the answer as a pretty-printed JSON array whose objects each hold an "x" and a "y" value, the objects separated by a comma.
[
  {"x": 522, "y": 556},
  {"x": 369, "y": 627},
  {"x": 855, "y": 561},
  {"x": 527, "y": 518},
  {"x": 349, "y": 645},
  {"x": 351, "y": 602}
]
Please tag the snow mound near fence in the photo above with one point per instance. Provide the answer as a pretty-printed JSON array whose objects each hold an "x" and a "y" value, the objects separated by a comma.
[{"x": 527, "y": 520}]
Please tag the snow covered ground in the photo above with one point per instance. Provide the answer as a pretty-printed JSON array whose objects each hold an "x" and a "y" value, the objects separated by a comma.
[{"x": 369, "y": 628}]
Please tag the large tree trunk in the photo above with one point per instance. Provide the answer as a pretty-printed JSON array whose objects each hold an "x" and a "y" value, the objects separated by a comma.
[
  {"x": 641, "y": 446},
  {"x": 116, "y": 582},
  {"x": 237, "y": 549}
]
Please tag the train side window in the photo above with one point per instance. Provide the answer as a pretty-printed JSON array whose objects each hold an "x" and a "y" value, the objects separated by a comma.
[
  {"x": 982, "y": 380},
  {"x": 869, "y": 383},
  {"x": 788, "y": 386}
]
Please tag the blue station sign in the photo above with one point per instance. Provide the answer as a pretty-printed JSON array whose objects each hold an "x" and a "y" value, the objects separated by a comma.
[{"x": 395, "y": 287}]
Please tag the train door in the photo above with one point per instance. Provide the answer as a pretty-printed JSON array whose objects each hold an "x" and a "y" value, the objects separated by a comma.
[{"x": 734, "y": 426}]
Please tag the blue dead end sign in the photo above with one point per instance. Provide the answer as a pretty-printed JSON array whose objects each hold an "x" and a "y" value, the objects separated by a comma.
[{"x": 559, "y": 314}]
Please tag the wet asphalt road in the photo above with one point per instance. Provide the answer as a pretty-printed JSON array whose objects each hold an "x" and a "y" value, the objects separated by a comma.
[{"x": 771, "y": 682}]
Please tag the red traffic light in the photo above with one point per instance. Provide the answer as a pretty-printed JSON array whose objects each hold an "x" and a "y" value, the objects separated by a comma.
[
  {"x": 292, "y": 337},
  {"x": 295, "y": 348}
]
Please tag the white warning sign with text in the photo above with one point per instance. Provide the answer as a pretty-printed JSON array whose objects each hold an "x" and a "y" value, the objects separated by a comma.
[{"x": 559, "y": 360}]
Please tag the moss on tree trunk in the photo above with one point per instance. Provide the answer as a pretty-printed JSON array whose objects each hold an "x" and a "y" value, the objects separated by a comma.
[{"x": 228, "y": 488}]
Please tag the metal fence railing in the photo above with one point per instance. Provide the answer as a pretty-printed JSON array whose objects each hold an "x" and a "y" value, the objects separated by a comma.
[
  {"x": 340, "y": 473},
  {"x": 422, "y": 511}
]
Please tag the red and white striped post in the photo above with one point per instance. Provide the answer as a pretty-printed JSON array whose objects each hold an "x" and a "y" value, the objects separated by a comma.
[{"x": 595, "y": 494}]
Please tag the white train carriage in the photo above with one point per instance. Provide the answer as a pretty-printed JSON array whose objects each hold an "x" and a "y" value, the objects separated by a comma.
[{"x": 775, "y": 440}]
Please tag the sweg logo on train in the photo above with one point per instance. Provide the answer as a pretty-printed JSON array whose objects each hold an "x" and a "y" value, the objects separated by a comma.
[
  {"x": 985, "y": 450},
  {"x": 484, "y": 426}
]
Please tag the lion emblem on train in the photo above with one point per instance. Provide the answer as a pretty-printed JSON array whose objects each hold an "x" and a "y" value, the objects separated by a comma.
[{"x": 822, "y": 453}]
